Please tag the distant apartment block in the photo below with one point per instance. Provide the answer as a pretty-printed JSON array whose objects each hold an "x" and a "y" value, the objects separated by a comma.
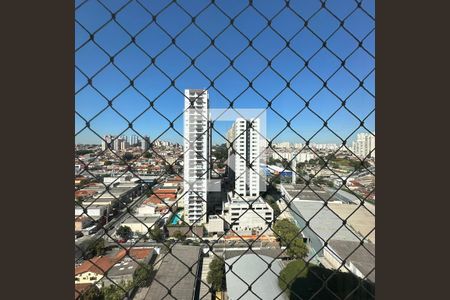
[
  {"x": 364, "y": 144},
  {"x": 299, "y": 156},
  {"x": 196, "y": 154},
  {"x": 244, "y": 148},
  {"x": 283, "y": 145},
  {"x": 115, "y": 143},
  {"x": 134, "y": 139},
  {"x": 106, "y": 140},
  {"x": 145, "y": 143},
  {"x": 123, "y": 143}
]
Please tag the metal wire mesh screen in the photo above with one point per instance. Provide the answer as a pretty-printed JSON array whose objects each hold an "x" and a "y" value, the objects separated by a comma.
[{"x": 176, "y": 202}]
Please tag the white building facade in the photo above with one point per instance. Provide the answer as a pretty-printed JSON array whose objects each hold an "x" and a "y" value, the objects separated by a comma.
[
  {"x": 196, "y": 155},
  {"x": 244, "y": 210},
  {"x": 245, "y": 138},
  {"x": 145, "y": 143},
  {"x": 242, "y": 218},
  {"x": 364, "y": 144},
  {"x": 106, "y": 140}
]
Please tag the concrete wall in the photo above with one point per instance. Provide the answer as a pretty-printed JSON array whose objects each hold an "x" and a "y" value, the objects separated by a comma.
[
  {"x": 215, "y": 225},
  {"x": 198, "y": 230},
  {"x": 336, "y": 263},
  {"x": 137, "y": 227},
  {"x": 146, "y": 210}
]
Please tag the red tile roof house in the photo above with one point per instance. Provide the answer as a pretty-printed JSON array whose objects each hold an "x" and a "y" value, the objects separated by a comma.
[
  {"x": 126, "y": 265},
  {"x": 166, "y": 191},
  {"x": 159, "y": 198},
  {"x": 91, "y": 271},
  {"x": 164, "y": 201},
  {"x": 143, "y": 254},
  {"x": 84, "y": 193},
  {"x": 117, "y": 267}
]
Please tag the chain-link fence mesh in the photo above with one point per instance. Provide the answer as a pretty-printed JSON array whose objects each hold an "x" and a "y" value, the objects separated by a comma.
[{"x": 301, "y": 62}]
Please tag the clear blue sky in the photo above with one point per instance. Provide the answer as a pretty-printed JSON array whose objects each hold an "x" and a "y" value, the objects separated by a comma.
[{"x": 152, "y": 82}]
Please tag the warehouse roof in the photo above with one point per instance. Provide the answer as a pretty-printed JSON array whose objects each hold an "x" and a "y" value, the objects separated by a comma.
[
  {"x": 174, "y": 274},
  {"x": 360, "y": 218},
  {"x": 312, "y": 192},
  {"x": 269, "y": 252},
  {"x": 362, "y": 257},
  {"x": 324, "y": 222},
  {"x": 266, "y": 284}
]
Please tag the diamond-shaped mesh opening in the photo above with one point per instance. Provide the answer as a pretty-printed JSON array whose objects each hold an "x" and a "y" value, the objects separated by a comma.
[{"x": 225, "y": 149}]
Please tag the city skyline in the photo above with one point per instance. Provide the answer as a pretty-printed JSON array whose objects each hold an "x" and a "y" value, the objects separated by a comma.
[
  {"x": 223, "y": 127},
  {"x": 180, "y": 141}
]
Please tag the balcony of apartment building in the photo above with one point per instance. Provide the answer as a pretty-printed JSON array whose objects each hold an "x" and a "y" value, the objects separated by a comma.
[
  {"x": 195, "y": 208},
  {"x": 198, "y": 172},
  {"x": 196, "y": 202},
  {"x": 194, "y": 173},
  {"x": 198, "y": 168}
]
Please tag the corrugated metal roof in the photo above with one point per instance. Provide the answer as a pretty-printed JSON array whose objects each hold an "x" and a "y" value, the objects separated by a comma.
[{"x": 251, "y": 267}]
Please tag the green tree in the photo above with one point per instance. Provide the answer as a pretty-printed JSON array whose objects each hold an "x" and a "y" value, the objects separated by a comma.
[
  {"x": 283, "y": 229},
  {"x": 288, "y": 235},
  {"x": 124, "y": 232},
  {"x": 269, "y": 198},
  {"x": 141, "y": 277},
  {"x": 275, "y": 179},
  {"x": 96, "y": 248},
  {"x": 114, "y": 292},
  {"x": 99, "y": 247},
  {"x": 93, "y": 293},
  {"x": 297, "y": 249},
  {"x": 299, "y": 180},
  {"x": 84, "y": 181},
  {"x": 216, "y": 274},
  {"x": 273, "y": 161},
  {"x": 107, "y": 163},
  {"x": 127, "y": 156},
  {"x": 358, "y": 165},
  {"x": 179, "y": 235},
  {"x": 286, "y": 164},
  {"x": 148, "y": 155},
  {"x": 79, "y": 201},
  {"x": 276, "y": 209},
  {"x": 220, "y": 152},
  {"x": 156, "y": 234},
  {"x": 305, "y": 281},
  {"x": 330, "y": 157},
  {"x": 83, "y": 152},
  {"x": 293, "y": 270}
]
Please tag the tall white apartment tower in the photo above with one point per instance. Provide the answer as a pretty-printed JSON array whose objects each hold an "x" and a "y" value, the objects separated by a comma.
[
  {"x": 196, "y": 155},
  {"x": 364, "y": 144},
  {"x": 106, "y": 139},
  {"x": 245, "y": 138}
]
